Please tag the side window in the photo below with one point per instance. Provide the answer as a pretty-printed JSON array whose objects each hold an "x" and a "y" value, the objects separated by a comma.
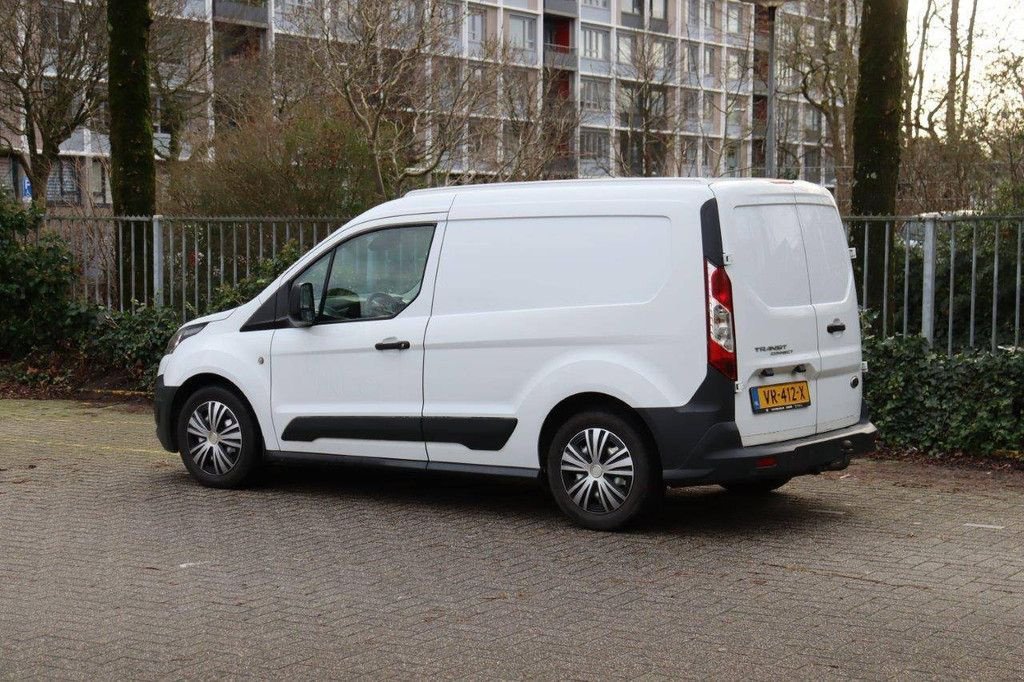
[
  {"x": 377, "y": 274},
  {"x": 315, "y": 274}
]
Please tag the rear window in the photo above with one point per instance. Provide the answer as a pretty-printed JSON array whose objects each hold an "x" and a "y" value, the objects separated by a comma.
[
  {"x": 768, "y": 248},
  {"x": 828, "y": 256}
]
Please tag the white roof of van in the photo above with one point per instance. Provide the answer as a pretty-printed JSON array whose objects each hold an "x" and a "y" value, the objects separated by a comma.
[{"x": 441, "y": 199}]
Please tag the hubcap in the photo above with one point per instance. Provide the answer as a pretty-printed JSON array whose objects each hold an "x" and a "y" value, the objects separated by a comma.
[
  {"x": 597, "y": 470},
  {"x": 214, "y": 438}
]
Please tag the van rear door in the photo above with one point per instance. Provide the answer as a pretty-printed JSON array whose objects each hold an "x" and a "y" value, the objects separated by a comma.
[
  {"x": 834, "y": 297},
  {"x": 775, "y": 322}
]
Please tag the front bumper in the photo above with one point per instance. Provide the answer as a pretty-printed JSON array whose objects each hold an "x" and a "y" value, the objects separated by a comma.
[
  {"x": 722, "y": 459},
  {"x": 163, "y": 404}
]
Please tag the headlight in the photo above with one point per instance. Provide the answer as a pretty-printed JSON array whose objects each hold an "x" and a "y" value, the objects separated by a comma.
[{"x": 182, "y": 334}]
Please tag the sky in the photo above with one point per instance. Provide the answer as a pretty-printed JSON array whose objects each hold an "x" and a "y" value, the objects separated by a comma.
[{"x": 1000, "y": 23}]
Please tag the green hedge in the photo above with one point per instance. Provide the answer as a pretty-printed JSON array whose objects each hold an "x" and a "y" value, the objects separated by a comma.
[{"x": 920, "y": 398}]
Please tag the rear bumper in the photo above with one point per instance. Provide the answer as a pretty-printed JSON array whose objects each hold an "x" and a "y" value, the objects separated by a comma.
[
  {"x": 163, "y": 401},
  {"x": 722, "y": 459}
]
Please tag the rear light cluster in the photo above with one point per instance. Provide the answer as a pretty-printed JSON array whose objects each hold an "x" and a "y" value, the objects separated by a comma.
[{"x": 721, "y": 330}]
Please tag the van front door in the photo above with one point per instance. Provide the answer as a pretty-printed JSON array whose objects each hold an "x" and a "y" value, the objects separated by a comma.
[{"x": 352, "y": 383}]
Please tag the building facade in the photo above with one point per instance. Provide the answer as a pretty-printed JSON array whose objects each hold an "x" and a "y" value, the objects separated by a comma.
[{"x": 663, "y": 87}]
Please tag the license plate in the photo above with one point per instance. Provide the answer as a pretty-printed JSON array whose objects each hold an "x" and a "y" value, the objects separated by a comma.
[{"x": 775, "y": 397}]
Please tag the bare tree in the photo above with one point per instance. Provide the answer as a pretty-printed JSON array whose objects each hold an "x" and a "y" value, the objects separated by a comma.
[
  {"x": 52, "y": 70},
  {"x": 393, "y": 63},
  {"x": 647, "y": 104},
  {"x": 820, "y": 49},
  {"x": 180, "y": 70},
  {"x": 527, "y": 131}
]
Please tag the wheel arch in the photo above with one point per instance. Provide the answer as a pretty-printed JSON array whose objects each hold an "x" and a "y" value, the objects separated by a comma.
[
  {"x": 205, "y": 380},
  {"x": 580, "y": 402}
]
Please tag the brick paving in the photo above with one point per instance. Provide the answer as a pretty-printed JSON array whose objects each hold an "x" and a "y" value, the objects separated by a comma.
[{"x": 114, "y": 564}]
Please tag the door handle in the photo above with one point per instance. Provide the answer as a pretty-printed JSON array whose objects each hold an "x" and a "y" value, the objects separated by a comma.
[
  {"x": 388, "y": 344},
  {"x": 836, "y": 327}
]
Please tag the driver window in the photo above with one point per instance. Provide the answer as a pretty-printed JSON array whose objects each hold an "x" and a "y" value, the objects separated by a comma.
[{"x": 377, "y": 274}]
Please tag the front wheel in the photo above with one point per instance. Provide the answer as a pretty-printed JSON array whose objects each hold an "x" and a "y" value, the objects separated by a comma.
[
  {"x": 601, "y": 472},
  {"x": 218, "y": 439}
]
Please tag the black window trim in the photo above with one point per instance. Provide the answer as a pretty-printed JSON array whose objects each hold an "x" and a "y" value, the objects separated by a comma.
[{"x": 330, "y": 265}]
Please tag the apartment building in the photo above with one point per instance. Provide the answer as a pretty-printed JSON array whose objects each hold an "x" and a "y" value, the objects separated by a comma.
[{"x": 701, "y": 66}]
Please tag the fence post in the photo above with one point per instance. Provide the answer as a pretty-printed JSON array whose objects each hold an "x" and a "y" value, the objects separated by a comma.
[
  {"x": 928, "y": 283},
  {"x": 158, "y": 261}
]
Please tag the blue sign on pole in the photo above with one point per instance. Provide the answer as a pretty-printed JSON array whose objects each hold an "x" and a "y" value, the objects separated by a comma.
[{"x": 26, "y": 189}]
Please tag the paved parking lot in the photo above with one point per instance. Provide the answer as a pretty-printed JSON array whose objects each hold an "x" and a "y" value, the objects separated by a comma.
[{"x": 114, "y": 564}]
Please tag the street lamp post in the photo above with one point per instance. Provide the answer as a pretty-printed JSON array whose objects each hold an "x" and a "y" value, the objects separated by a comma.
[{"x": 770, "y": 134}]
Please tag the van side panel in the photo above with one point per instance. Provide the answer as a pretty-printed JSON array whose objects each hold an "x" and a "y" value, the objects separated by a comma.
[{"x": 531, "y": 310}]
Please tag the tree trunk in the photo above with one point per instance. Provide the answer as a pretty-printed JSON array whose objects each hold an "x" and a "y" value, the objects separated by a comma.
[
  {"x": 952, "y": 129},
  {"x": 876, "y": 128},
  {"x": 132, "y": 164},
  {"x": 38, "y": 173}
]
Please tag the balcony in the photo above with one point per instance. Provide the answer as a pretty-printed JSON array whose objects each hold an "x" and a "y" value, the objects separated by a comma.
[
  {"x": 248, "y": 12},
  {"x": 569, "y": 8},
  {"x": 560, "y": 57}
]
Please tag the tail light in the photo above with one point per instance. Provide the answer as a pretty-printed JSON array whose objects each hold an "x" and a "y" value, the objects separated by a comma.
[{"x": 721, "y": 330}]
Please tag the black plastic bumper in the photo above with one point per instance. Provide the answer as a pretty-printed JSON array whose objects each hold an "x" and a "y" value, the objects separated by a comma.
[
  {"x": 163, "y": 401},
  {"x": 828, "y": 451}
]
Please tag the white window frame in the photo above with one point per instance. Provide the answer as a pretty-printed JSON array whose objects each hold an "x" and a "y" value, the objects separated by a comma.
[
  {"x": 595, "y": 43},
  {"x": 528, "y": 23}
]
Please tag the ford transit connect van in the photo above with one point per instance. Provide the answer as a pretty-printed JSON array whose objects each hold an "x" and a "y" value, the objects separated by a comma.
[{"x": 610, "y": 337}]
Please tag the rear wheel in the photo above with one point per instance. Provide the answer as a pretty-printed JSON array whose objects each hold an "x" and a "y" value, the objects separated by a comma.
[
  {"x": 601, "y": 472},
  {"x": 756, "y": 487},
  {"x": 218, "y": 439}
]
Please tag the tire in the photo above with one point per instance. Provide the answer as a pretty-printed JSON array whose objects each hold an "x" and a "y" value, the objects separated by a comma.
[
  {"x": 612, "y": 499},
  {"x": 756, "y": 487},
  {"x": 231, "y": 455}
]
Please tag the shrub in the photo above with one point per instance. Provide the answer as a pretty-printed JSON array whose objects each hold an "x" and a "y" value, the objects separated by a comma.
[
  {"x": 133, "y": 341},
  {"x": 920, "y": 398},
  {"x": 265, "y": 272},
  {"x": 36, "y": 284}
]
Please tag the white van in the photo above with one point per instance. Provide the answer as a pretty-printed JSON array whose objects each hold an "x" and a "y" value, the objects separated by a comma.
[{"x": 610, "y": 337}]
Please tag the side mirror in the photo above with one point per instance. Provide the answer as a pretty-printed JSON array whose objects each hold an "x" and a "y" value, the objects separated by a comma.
[{"x": 301, "y": 308}]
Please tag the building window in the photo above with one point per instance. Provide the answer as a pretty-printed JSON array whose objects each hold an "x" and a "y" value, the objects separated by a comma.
[
  {"x": 595, "y": 44},
  {"x": 477, "y": 25},
  {"x": 523, "y": 32},
  {"x": 712, "y": 17},
  {"x": 690, "y": 105},
  {"x": 693, "y": 59},
  {"x": 594, "y": 144},
  {"x": 626, "y": 41},
  {"x": 735, "y": 19},
  {"x": 737, "y": 118},
  {"x": 711, "y": 62},
  {"x": 658, "y": 9},
  {"x": 62, "y": 185},
  {"x": 633, "y": 6},
  {"x": 99, "y": 186},
  {"x": 594, "y": 94},
  {"x": 737, "y": 68},
  {"x": 693, "y": 13}
]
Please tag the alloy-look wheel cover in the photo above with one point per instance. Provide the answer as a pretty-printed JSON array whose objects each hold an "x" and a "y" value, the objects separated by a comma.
[
  {"x": 597, "y": 470},
  {"x": 214, "y": 438}
]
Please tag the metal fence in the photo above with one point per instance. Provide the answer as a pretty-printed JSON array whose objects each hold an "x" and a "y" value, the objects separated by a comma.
[
  {"x": 182, "y": 260},
  {"x": 956, "y": 280}
]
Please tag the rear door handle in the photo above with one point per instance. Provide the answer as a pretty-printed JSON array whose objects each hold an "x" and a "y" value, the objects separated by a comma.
[
  {"x": 388, "y": 344},
  {"x": 836, "y": 327}
]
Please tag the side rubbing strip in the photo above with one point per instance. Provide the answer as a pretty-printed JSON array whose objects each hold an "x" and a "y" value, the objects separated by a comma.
[{"x": 476, "y": 433}]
